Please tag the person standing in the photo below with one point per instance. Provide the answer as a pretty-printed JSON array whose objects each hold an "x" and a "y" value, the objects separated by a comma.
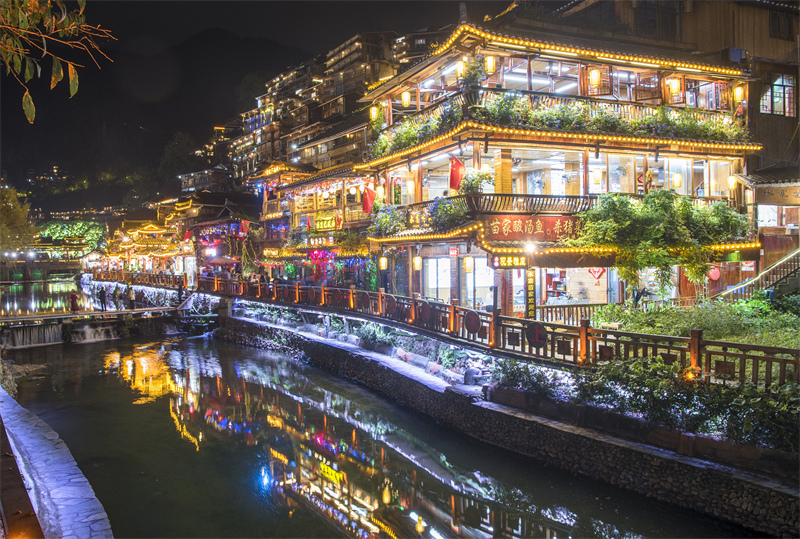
[
  {"x": 102, "y": 296},
  {"x": 131, "y": 298},
  {"x": 180, "y": 291},
  {"x": 73, "y": 300},
  {"x": 117, "y": 298}
]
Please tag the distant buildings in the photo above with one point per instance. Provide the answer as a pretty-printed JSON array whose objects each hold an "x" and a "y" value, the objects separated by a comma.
[{"x": 553, "y": 109}]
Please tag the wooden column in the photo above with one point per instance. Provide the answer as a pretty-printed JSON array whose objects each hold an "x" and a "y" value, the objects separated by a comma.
[{"x": 502, "y": 171}]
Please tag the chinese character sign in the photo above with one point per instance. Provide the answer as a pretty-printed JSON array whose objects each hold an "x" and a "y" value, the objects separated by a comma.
[
  {"x": 533, "y": 227},
  {"x": 509, "y": 262},
  {"x": 779, "y": 196}
]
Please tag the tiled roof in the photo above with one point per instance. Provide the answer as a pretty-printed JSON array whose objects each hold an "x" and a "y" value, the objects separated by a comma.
[{"x": 769, "y": 176}]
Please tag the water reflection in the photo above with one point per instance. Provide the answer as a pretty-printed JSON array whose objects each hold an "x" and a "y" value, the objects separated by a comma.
[
  {"x": 321, "y": 447},
  {"x": 38, "y": 298}
]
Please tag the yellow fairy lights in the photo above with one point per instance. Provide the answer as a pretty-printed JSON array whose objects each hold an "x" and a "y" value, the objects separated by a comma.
[
  {"x": 448, "y": 235},
  {"x": 274, "y": 215},
  {"x": 469, "y": 124},
  {"x": 547, "y": 48}
]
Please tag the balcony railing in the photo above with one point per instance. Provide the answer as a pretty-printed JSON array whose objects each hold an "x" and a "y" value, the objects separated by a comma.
[
  {"x": 561, "y": 113},
  {"x": 530, "y": 204}
]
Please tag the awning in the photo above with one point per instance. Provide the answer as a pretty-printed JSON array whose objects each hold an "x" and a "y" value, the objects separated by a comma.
[{"x": 221, "y": 261}]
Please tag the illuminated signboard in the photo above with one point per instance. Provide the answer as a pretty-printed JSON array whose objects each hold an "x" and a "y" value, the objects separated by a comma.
[
  {"x": 278, "y": 456},
  {"x": 330, "y": 474},
  {"x": 509, "y": 262},
  {"x": 327, "y": 220},
  {"x": 530, "y": 294},
  {"x": 532, "y": 228},
  {"x": 778, "y": 196}
]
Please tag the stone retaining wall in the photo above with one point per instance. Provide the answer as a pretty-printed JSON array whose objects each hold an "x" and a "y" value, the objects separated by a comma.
[{"x": 749, "y": 500}]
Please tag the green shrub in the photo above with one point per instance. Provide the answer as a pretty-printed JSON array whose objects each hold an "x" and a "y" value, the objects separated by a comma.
[
  {"x": 524, "y": 376},
  {"x": 373, "y": 334}
]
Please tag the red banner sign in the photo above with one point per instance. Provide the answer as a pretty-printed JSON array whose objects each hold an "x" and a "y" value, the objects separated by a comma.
[{"x": 533, "y": 227}]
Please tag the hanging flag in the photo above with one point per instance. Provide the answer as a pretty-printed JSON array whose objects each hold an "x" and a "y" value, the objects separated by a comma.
[
  {"x": 308, "y": 224},
  {"x": 338, "y": 220},
  {"x": 456, "y": 172},
  {"x": 367, "y": 200},
  {"x": 244, "y": 228},
  {"x": 187, "y": 235}
]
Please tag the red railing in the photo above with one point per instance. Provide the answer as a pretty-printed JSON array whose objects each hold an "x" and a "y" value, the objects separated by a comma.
[{"x": 571, "y": 342}]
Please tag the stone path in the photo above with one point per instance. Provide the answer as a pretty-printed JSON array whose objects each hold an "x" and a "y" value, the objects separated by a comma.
[{"x": 62, "y": 497}]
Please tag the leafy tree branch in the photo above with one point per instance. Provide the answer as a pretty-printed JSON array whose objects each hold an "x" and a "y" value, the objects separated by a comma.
[{"x": 33, "y": 31}]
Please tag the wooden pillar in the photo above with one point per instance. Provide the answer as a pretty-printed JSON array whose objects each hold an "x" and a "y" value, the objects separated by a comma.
[
  {"x": 502, "y": 171},
  {"x": 418, "y": 183},
  {"x": 528, "y": 74},
  {"x": 501, "y": 61},
  {"x": 389, "y": 111},
  {"x": 476, "y": 154},
  {"x": 418, "y": 103},
  {"x": 585, "y": 176},
  {"x": 455, "y": 285},
  {"x": 575, "y": 184}
]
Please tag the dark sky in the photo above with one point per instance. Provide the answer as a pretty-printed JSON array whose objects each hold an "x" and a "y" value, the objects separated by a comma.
[
  {"x": 310, "y": 25},
  {"x": 119, "y": 100}
]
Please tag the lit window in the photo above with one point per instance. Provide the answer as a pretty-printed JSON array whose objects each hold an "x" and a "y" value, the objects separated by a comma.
[{"x": 780, "y": 96}]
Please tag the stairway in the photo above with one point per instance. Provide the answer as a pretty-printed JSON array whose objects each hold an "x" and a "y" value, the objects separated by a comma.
[{"x": 783, "y": 277}]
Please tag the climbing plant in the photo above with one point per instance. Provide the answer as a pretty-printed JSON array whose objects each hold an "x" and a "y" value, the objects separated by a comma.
[{"x": 662, "y": 231}]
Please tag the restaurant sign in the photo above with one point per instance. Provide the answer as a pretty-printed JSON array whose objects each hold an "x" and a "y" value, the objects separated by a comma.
[
  {"x": 509, "y": 262},
  {"x": 778, "y": 196},
  {"x": 533, "y": 227},
  {"x": 326, "y": 220}
]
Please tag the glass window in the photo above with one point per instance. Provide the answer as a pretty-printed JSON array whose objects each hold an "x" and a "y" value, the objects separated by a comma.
[
  {"x": 478, "y": 284},
  {"x": 598, "y": 174},
  {"x": 679, "y": 175},
  {"x": 436, "y": 278},
  {"x": 621, "y": 178},
  {"x": 779, "y": 96},
  {"x": 718, "y": 178}
]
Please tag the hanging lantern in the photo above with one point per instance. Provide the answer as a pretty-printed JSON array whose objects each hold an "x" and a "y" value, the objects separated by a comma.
[
  {"x": 674, "y": 86},
  {"x": 352, "y": 191},
  {"x": 417, "y": 263},
  {"x": 469, "y": 264},
  {"x": 387, "y": 496},
  {"x": 410, "y": 187},
  {"x": 594, "y": 77},
  {"x": 420, "y": 527},
  {"x": 677, "y": 179},
  {"x": 732, "y": 182},
  {"x": 325, "y": 194},
  {"x": 383, "y": 263},
  {"x": 490, "y": 64},
  {"x": 598, "y": 176},
  {"x": 738, "y": 93},
  {"x": 373, "y": 113},
  {"x": 460, "y": 68},
  {"x": 406, "y": 98}
]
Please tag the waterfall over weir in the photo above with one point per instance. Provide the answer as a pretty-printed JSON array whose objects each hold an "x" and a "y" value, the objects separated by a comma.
[
  {"x": 43, "y": 334},
  {"x": 35, "y": 335}
]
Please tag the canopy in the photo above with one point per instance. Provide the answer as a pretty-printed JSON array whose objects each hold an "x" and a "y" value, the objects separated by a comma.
[{"x": 221, "y": 261}]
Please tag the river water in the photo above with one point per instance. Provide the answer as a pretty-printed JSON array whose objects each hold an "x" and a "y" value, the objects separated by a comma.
[{"x": 201, "y": 438}]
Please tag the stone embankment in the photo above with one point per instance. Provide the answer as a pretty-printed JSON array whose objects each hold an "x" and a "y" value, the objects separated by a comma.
[{"x": 757, "y": 502}]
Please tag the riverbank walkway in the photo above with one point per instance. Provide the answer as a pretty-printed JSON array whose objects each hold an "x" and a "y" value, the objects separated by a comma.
[
  {"x": 61, "y": 496},
  {"x": 84, "y": 315}
]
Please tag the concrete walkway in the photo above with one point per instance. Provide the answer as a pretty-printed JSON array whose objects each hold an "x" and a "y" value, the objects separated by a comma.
[{"x": 61, "y": 496}]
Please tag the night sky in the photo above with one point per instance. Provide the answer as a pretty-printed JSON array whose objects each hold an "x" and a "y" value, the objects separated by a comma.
[{"x": 152, "y": 88}]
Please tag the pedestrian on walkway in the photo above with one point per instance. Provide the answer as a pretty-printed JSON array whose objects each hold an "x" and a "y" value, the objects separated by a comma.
[
  {"x": 73, "y": 300},
  {"x": 102, "y": 297},
  {"x": 180, "y": 291},
  {"x": 131, "y": 298},
  {"x": 117, "y": 298}
]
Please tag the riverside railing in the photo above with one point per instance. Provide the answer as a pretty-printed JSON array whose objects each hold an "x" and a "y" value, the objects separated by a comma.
[
  {"x": 574, "y": 344},
  {"x": 149, "y": 279}
]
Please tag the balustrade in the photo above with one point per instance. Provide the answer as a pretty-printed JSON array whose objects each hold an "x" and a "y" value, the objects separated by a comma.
[{"x": 560, "y": 334}]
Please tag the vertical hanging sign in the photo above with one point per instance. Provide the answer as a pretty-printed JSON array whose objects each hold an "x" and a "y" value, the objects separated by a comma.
[{"x": 530, "y": 294}]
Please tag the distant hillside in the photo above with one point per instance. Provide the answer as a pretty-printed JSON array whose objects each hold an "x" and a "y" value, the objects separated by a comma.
[{"x": 124, "y": 113}]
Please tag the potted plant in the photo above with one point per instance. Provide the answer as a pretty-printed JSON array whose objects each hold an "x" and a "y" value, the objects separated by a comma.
[
  {"x": 474, "y": 73},
  {"x": 473, "y": 181}
]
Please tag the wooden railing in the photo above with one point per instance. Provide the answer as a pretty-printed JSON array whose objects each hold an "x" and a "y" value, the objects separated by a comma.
[
  {"x": 149, "y": 279},
  {"x": 572, "y": 343},
  {"x": 773, "y": 275},
  {"x": 567, "y": 314},
  {"x": 531, "y": 204}
]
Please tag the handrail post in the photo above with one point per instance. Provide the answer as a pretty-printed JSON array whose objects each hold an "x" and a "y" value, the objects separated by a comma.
[
  {"x": 297, "y": 292},
  {"x": 380, "y": 301},
  {"x": 451, "y": 329},
  {"x": 493, "y": 327},
  {"x": 216, "y": 283},
  {"x": 322, "y": 294},
  {"x": 696, "y": 335},
  {"x": 584, "y": 350},
  {"x": 351, "y": 293}
]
